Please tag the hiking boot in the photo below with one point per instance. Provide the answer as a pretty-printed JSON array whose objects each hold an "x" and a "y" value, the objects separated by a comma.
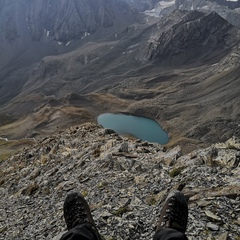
[
  {"x": 174, "y": 213},
  {"x": 77, "y": 213}
]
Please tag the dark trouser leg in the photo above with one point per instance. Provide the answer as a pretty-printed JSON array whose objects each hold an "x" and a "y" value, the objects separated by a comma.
[
  {"x": 169, "y": 234},
  {"x": 82, "y": 232}
]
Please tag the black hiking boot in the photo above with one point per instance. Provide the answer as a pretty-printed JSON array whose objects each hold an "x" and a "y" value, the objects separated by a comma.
[
  {"x": 77, "y": 213},
  {"x": 174, "y": 213}
]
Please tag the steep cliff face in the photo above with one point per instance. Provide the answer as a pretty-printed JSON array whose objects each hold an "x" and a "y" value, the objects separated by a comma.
[
  {"x": 65, "y": 20},
  {"x": 58, "y": 19},
  {"x": 196, "y": 36},
  {"x": 43, "y": 25}
]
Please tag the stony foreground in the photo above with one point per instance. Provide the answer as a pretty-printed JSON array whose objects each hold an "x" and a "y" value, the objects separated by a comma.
[{"x": 124, "y": 181}]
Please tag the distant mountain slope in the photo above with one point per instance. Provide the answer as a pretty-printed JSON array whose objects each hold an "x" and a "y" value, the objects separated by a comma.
[
  {"x": 47, "y": 27},
  {"x": 142, "y": 5},
  {"x": 32, "y": 29},
  {"x": 197, "y": 37},
  {"x": 164, "y": 68},
  {"x": 182, "y": 38},
  {"x": 230, "y": 10}
]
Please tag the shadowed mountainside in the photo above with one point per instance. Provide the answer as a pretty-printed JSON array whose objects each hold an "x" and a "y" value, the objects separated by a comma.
[
  {"x": 34, "y": 29},
  {"x": 195, "y": 38}
]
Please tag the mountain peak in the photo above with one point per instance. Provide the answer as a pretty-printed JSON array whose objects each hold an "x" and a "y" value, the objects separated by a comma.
[{"x": 196, "y": 35}]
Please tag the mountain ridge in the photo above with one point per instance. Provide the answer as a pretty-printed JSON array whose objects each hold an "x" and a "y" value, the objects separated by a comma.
[
  {"x": 125, "y": 181},
  {"x": 227, "y": 9},
  {"x": 203, "y": 34}
]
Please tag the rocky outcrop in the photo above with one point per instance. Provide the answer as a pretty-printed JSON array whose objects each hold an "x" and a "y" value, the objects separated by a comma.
[
  {"x": 125, "y": 182},
  {"x": 230, "y": 4},
  {"x": 230, "y": 10},
  {"x": 66, "y": 20},
  {"x": 196, "y": 36}
]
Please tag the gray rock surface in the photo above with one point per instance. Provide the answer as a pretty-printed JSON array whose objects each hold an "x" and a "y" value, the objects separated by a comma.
[
  {"x": 196, "y": 34},
  {"x": 47, "y": 27},
  {"x": 230, "y": 10},
  {"x": 125, "y": 190},
  {"x": 59, "y": 20}
]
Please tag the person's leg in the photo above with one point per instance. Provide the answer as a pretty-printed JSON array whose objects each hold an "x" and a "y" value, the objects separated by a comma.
[
  {"x": 79, "y": 219},
  {"x": 173, "y": 218},
  {"x": 169, "y": 234},
  {"x": 79, "y": 233}
]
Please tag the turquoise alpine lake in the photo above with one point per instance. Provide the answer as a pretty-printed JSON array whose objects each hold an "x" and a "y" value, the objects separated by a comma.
[{"x": 140, "y": 127}]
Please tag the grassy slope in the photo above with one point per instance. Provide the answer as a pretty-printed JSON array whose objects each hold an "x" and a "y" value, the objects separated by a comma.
[{"x": 8, "y": 148}]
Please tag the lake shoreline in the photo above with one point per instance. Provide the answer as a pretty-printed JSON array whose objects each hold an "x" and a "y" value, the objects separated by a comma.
[{"x": 139, "y": 127}]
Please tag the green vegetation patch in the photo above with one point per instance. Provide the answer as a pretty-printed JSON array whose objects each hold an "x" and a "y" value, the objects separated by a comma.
[
  {"x": 4, "y": 119},
  {"x": 31, "y": 189},
  {"x": 9, "y": 148},
  {"x": 121, "y": 211},
  {"x": 151, "y": 199},
  {"x": 3, "y": 229},
  {"x": 4, "y": 156},
  {"x": 175, "y": 171},
  {"x": 96, "y": 152}
]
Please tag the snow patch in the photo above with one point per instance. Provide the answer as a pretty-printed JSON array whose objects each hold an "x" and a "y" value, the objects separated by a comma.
[
  {"x": 85, "y": 35},
  {"x": 59, "y": 43},
  {"x": 7, "y": 140},
  {"x": 127, "y": 52},
  {"x": 155, "y": 12},
  {"x": 4, "y": 139},
  {"x": 68, "y": 43},
  {"x": 205, "y": 8},
  {"x": 192, "y": 8},
  {"x": 133, "y": 46},
  {"x": 95, "y": 59}
]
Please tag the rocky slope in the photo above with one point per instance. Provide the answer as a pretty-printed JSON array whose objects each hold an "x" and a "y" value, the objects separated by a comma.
[
  {"x": 194, "y": 38},
  {"x": 125, "y": 182},
  {"x": 142, "y": 5},
  {"x": 31, "y": 30},
  {"x": 230, "y": 10},
  {"x": 53, "y": 26}
]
